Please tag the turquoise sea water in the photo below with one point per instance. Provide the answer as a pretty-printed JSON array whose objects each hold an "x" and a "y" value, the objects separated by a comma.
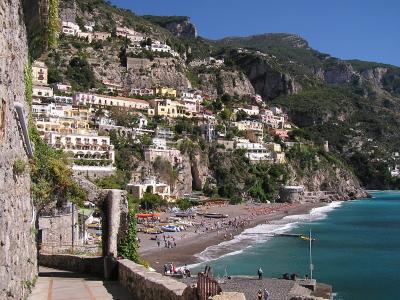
[{"x": 357, "y": 248}]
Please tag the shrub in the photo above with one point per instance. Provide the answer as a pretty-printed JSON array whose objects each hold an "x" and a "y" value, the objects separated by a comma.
[{"x": 19, "y": 166}]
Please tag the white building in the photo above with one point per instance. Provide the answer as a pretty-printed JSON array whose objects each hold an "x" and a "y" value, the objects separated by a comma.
[
  {"x": 92, "y": 155},
  {"x": 251, "y": 110},
  {"x": 267, "y": 117},
  {"x": 62, "y": 87},
  {"x": 104, "y": 100},
  {"x": 42, "y": 91},
  {"x": 101, "y": 36},
  {"x": 151, "y": 185},
  {"x": 63, "y": 99},
  {"x": 85, "y": 35},
  {"x": 142, "y": 92},
  {"x": 132, "y": 35},
  {"x": 157, "y": 46},
  {"x": 70, "y": 28},
  {"x": 254, "y": 151},
  {"x": 249, "y": 125},
  {"x": 50, "y": 110},
  {"x": 192, "y": 95},
  {"x": 90, "y": 26}
]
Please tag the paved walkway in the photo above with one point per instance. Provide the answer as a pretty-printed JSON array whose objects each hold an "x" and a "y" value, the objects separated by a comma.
[{"x": 63, "y": 285}]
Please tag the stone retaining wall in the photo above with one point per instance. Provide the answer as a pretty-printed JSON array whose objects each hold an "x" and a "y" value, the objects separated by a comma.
[
  {"x": 148, "y": 285},
  {"x": 17, "y": 227},
  {"x": 93, "y": 265}
]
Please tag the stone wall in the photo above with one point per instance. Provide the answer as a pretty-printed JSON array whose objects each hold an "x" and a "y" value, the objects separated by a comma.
[
  {"x": 57, "y": 229},
  {"x": 18, "y": 266},
  {"x": 93, "y": 265},
  {"x": 148, "y": 285}
]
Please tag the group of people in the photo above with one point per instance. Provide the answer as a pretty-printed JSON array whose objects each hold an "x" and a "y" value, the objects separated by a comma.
[
  {"x": 169, "y": 241},
  {"x": 171, "y": 269},
  {"x": 262, "y": 293}
]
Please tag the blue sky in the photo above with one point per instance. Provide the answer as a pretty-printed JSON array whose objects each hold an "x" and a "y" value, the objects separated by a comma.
[{"x": 361, "y": 29}]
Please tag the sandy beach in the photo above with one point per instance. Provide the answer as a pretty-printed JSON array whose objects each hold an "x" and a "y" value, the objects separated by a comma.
[{"x": 206, "y": 232}]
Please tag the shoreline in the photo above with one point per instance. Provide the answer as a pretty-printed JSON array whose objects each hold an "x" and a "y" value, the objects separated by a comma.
[{"x": 188, "y": 247}]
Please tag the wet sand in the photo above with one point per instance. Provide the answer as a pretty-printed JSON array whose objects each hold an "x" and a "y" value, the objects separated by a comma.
[{"x": 191, "y": 241}]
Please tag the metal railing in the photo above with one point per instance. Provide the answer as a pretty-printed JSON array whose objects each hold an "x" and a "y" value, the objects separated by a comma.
[{"x": 207, "y": 286}]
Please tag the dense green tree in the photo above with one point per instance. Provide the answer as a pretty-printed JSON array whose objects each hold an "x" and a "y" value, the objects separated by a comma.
[{"x": 80, "y": 74}]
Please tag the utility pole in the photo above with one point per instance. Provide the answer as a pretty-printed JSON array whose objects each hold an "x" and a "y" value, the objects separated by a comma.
[{"x": 73, "y": 226}]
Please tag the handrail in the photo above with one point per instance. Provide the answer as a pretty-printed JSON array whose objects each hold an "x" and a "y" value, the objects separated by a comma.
[{"x": 19, "y": 108}]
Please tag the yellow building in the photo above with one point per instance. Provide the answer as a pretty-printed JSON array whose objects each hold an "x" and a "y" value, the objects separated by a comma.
[
  {"x": 165, "y": 92},
  {"x": 168, "y": 108},
  {"x": 77, "y": 113},
  {"x": 61, "y": 126},
  {"x": 39, "y": 73}
]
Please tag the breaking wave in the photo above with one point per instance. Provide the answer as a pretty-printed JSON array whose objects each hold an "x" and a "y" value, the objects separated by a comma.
[{"x": 262, "y": 233}]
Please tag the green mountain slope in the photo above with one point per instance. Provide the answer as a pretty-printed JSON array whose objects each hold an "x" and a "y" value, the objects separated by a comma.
[{"x": 355, "y": 105}]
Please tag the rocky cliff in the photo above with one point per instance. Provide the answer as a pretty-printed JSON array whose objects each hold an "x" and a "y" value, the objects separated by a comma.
[
  {"x": 143, "y": 72},
  {"x": 18, "y": 265},
  {"x": 179, "y": 26},
  {"x": 225, "y": 82},
  {"x": 265, "y": 76},
  {"x": 323, "y": 172}
]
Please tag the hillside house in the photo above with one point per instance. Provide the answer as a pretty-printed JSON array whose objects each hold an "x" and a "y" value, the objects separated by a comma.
[
  {"x": 251, "y": 110},
  {"x": 168, "y": 108},
  {"x": 152, "y": 186},
  {"x": 267, "y": 117},
  {"x": 39, "y": 73},
  {"x": 42, "y": 91},
  {"x": 248, "y": 125},
  {"x": 101, "y": 36},
  {"x": 142, "y": 92},
  {"x": 62, "y": 87},
  {"x": 70, "y": 28},
  {"x": 165, "y": 92},
  {"x": 255, "y": 152},
  {"x": 281, "y": 133}
]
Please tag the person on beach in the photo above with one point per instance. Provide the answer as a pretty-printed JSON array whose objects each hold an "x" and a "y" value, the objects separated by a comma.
[
  {"x": 266, "y": 294},
  {"x": 260, "y": 273},
  {"x": 259, "y": 294}
]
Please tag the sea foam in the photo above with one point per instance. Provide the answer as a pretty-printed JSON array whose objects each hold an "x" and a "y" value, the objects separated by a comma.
[{"x": 262, "y": 233}]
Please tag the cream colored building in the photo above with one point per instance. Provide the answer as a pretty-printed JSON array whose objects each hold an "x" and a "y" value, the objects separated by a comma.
[
  {"x": 104, "y": 100},
  {"x": 92, "y": 155},
  {"x": 39, "y": 73},
  {"x": 248, "y": 125},
  {"x": 61, "y": 126},
  {"x": 165, "y": 92},
  {"x": 42, "y": 91},
  {"x": 152, "y": 186},
  {"x": 101, "y": 36},
  {"x": 168, "y": 108}
]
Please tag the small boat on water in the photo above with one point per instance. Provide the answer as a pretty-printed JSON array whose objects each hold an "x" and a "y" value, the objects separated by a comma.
[
  {"x": 215, "y": 215},
  {"x": 306, "y": 238}
]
